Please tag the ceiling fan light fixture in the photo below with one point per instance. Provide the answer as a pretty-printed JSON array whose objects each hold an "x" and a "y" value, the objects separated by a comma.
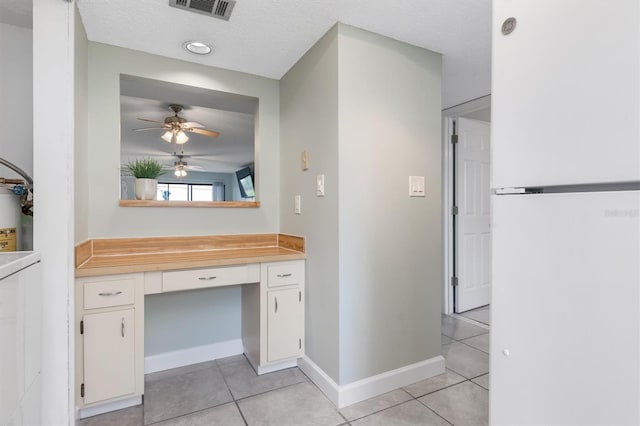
[
  {"x": 181, "y": 137},
  {"x": 180, "y": 172},
  {"x": 168, "y": 136},
  {"x": 198, "y": 47}
]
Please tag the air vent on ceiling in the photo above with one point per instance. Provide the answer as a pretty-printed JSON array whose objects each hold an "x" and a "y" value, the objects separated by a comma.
[{"x": 216, "y": 8}]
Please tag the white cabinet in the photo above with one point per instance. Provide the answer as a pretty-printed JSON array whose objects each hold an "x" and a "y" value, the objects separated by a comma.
[
  {"x": 110, "y": 338},
  {"x": 274, "y": 338},
  {"x": 20, "y": 338},
  {"x": 109, "y": 355},
  {"x": 110, "y": 318},
  {"x": 284, "y": 323}
]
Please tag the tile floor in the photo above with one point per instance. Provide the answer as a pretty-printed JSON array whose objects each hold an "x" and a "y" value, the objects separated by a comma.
[
  {"x": 481, "y": 315},
  {"x": 228, "y": 392}
]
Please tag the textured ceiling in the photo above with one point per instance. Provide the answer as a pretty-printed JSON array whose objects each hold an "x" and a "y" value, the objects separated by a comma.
[{"x": 267, "y": 37}]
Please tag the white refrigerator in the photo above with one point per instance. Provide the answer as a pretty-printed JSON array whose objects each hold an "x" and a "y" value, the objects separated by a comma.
[{"x": 565, "y": 173}]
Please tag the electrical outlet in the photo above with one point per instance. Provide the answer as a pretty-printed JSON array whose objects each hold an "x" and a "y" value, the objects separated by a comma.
[{"x": 304, "y": 160}]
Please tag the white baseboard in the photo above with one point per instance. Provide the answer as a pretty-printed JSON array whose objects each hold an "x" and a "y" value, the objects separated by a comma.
[
  {"x": 321, "y": 379},
  {"x": 109, "y": 406},
  {"x": 345, "y": 395},
  {"x": 175, "y": 359}
]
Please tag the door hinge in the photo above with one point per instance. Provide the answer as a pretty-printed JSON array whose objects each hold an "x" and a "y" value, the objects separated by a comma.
[
  {"x": 454, "y": 210},
  {"x": 82, "y": 390},
  {"x": 299, "y": 343},
  {"x": 454, "y": 139},
  {"x": 81, "y": 327},
  {"x": 299, "y": 296},
  {"x": 454, "y": 281}
]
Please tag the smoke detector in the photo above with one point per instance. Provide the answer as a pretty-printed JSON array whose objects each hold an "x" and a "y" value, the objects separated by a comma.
[{"x": 220, "y": 9}]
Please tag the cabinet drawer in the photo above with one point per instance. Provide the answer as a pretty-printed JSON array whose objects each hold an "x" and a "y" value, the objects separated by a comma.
[
  {"x": 106, "y": 293},
  {"x": 285, "y": 274},
  {"x": 210, "y": 277}
]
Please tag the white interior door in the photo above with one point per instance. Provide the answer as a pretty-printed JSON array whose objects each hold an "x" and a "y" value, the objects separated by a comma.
[{"x": 473, "y": 236}]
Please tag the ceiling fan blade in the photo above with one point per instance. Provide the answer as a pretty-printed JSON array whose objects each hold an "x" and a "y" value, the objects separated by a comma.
[
  {"x": 150, "y": 128},
  {"x": 190, "y": 124},
  {"x": 195, "y": 168},
  {"x": 151, "y": 121},
  {"x": 205, "y": 132}
]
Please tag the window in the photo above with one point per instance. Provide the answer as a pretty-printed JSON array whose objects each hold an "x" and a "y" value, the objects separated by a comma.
[{"x": 185, "y": 192}]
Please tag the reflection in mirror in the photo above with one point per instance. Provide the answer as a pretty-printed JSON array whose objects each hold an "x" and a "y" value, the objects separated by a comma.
[{"x": 219, "y": 128}]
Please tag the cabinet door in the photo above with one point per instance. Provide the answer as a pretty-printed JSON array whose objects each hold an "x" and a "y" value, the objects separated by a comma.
[
  {"x": 284, "y": 324},
  {"x": 109, "y": 355}
]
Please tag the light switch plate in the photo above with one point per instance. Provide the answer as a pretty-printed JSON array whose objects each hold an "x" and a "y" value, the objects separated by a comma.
[
  {"x": 320, "y": 185},
  {"x": 297, "y": 208},
  {"x": 304, "y": 160},
  {"x": 416, "y": 186}
]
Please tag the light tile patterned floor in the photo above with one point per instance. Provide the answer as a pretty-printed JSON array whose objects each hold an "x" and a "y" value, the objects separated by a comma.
[{"x": 228, "y": 392}]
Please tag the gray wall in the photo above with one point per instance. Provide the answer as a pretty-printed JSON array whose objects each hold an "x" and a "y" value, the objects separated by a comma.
[
  {"x": 190, "y": 318},
  {"x": 81, "y": 157},
  {"x": 390, "y": 245},
  {"x": 309, "y": 121},
  {"x": 16, "y": 88},
  {"x": 106, "y": 218},
  {"x": 483, "y": 114},
  {"x": 368, "y": 110}
]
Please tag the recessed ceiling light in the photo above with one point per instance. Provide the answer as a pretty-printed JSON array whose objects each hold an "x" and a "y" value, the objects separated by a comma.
[{"x": 198, "y": 47}]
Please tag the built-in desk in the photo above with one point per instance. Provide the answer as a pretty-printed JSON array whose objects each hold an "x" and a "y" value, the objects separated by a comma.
[{"x": 114, "y": 275}]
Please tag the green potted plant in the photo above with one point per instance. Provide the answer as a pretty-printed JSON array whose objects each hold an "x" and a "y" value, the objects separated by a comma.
[{"x": 146, "y": 171}]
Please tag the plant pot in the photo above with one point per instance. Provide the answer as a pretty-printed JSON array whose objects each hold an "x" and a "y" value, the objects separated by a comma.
[{"x": 146, "y": 189}]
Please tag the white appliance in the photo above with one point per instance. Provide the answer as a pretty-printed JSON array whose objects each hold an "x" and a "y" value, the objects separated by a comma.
[
  {"x": 565, "y": 338},
  {"x": 20, "y": 338}
]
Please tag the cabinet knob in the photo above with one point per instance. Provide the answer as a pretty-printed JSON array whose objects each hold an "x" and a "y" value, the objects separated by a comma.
[
  {"x": 122, "y": 327},
  {"x": 207, "y": 278},
  {"x": 283, "y": 275},
  {"x": 276, "y": 304}
]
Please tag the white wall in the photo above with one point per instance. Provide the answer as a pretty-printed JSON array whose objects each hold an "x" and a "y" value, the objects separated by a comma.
[
  {"x": 53, "y": 94},
  {"x": 106, "y": 218},
  {"x": 367, "y": 108},
  {"x": 309, "y": 121}
]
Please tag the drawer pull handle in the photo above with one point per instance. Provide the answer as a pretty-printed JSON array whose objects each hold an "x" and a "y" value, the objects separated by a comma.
[
  {"x": 207, "y": 278},
  {"x": 111, "y": 293},
  {"x": 283, "y": 275},
  {"x": 276, "y": 304},
  {"x": 122, "y": 327}
]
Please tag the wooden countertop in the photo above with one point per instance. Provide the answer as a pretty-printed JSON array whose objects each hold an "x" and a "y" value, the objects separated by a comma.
[{"x": 126, "y": 255}]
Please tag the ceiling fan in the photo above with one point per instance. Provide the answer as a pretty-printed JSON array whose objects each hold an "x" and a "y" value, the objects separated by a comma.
[
  {"x": 182, "y": 166},
  {"x": 176, "y": 127}
]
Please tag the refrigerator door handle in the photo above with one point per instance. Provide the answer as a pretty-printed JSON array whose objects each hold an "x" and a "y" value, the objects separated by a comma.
[{"x": 509, "y": 191}]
